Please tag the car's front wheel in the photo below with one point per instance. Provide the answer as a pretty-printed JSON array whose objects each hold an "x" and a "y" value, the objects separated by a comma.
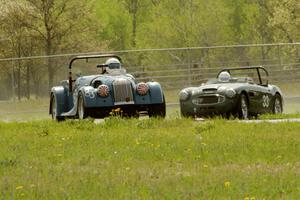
[
  {"x": 277, "y": 107},
  {"x": 81, "y": 110},
  {"x": 158, "y": 110},
  {"x": 243, "y": 107}
]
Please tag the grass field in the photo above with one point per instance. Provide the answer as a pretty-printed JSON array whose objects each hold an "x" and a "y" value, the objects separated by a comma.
[{"x": 149, "y": 159}]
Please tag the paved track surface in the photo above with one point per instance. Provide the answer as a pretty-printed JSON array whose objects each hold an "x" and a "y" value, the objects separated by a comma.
[
  {"x": 271, "y": 120},
  {"x": 259, "y": 121}
]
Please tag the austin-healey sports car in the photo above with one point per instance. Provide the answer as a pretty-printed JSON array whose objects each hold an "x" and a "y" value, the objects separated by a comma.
[
  {"x": 112, "y": 89},
  {"x": 232, "y": 96}
]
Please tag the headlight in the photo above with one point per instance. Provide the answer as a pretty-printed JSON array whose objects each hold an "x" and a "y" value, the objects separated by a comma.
[
  {"x": 142, "y": 89},
  {"x": 230, "y": 92},
  {"x": 184, "y": 95},
  {"x": 103, "y": 90}
]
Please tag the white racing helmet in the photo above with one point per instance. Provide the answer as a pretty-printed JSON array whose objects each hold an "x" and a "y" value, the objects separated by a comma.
[
  {"x": 224, "y": 77},
  {"x": 114, "y": 66}
]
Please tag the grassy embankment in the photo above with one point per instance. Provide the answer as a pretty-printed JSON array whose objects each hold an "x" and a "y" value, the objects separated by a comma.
[{"x": 149, "y": 159}]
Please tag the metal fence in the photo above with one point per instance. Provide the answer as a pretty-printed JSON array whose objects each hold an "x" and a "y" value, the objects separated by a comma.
[{"x": 174, "y": 68}]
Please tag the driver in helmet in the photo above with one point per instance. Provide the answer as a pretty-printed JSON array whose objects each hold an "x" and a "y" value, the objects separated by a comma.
[
  {"x": 113, "y": 66},
  {"x": 224, "y": 77}
]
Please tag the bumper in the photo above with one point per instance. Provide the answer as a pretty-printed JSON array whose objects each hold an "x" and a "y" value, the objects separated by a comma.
[{"x": 188, "y": 108}]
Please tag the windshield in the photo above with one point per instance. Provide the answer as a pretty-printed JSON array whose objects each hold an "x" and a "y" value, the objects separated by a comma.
[
  {"x": 232, "y": 80},
  {"x": 114, "y": 66}
]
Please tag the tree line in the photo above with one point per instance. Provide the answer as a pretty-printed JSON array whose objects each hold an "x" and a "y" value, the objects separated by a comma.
[{"x": 49, "y": 27}]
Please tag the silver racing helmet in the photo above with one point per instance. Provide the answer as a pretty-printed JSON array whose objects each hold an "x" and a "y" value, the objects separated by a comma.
[
  {"x": 114, "y": 66},
  {"x": 224, "y": 76}
]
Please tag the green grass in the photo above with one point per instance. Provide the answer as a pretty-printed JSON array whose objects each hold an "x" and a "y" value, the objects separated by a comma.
[{"x": 149, "y": 159}]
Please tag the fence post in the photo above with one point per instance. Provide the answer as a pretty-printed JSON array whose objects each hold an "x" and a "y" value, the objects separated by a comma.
[
  {"x": 189, "y": 67},
  {"x": 279, "y": 56},
  {"x": 263, "y": 55}
]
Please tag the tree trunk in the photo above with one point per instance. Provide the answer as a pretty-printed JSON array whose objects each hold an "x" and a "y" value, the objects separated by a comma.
[
  {"x": 49, "y": 63},
  {"x": 50, "y": 74},
  {"x": 19, "y": 80},
  {"x": 134, "y": 9},
  {"x": 28, "y": 82}
]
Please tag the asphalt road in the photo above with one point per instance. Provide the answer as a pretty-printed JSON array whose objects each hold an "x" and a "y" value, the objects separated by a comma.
[{"x": 260, "y": 120}]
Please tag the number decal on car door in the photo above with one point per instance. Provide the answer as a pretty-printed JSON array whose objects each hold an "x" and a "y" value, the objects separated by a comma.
[{"x": 266, "y": 101}]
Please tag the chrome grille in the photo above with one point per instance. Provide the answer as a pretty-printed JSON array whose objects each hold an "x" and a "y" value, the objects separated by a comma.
[
  {"x": 210, "y": 90},
  {"x": 122, "y": 92},
  {"x": 208, "y": 99}
]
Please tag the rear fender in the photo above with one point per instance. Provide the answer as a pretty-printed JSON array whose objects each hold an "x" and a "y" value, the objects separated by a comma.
[
  {"x": 61, "y": 97},
  {"x": 276, "y": 90}
]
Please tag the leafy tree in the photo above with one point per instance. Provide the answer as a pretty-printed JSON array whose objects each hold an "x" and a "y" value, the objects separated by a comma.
[
  {"x": 284, "y": 16},
  {"x": 55, "y": 23}
]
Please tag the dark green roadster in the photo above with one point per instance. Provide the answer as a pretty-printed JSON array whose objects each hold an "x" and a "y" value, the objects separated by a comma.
[{"x": 230, "y": 95}]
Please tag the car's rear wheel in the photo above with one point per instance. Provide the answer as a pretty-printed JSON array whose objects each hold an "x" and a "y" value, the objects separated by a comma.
[
  {"x": 81, "y": 110},
  {"x": 277, "y": 107},
  {"x": 158, "y": 110},
  {"x": 243, "y": 107},
  {"x": 54, "y": 109}
]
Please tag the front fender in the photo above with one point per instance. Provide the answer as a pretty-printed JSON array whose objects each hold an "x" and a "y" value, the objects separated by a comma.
[
  {"x": 91, "y": 98},
  {"x": 156, "y": 93},
  {"x": 88, "y": 94}
]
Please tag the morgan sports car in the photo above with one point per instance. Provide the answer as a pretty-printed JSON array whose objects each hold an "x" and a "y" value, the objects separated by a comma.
[
  {"x": 232, "y": 96},
  {"x": 98, "y": 95}
]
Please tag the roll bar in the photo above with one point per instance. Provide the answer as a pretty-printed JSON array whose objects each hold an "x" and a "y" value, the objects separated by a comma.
[
  {"x": 93, "y": 57},
  {"x": 87, "y": 58},
  {"x": 257, "y": 68}
]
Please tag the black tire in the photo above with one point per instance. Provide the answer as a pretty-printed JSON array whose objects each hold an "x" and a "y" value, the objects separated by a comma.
[
  {"x": 81, "y": 109},
  {"x": 277, "y": 106},
  {"x": 132, "y": 115},
  {"x": 243, "y": 107},
  {"x": 53, "y": 105},
  {"x": 158, "y": 110},
  {"x": 185, "y": 115}
]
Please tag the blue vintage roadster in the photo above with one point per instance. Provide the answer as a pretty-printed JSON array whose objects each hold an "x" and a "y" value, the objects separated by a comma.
[{"x": 98, "y": 95}]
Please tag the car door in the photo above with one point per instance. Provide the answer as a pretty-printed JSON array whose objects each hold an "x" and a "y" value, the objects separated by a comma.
[
  {"x": 264, "y": 99},
  {"x": 254, "y": 94},
  {"x": 259, "y": 98}
]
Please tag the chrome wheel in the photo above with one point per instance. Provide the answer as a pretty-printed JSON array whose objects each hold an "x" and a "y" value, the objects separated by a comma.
[
  {"x": 81, "y": 111},
  {"x": 277, "y": 105},
  {"x": 53, "y": 108},
  {"x": 244, "y": 111}
]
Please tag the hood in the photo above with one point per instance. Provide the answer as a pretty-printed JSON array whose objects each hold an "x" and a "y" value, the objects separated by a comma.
[
  {"x": 105, "y": 79},
  {"x": 108, "y": 79},
  {"x": 223, "y": 85},
  {"x": 219, "y": 88}
]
